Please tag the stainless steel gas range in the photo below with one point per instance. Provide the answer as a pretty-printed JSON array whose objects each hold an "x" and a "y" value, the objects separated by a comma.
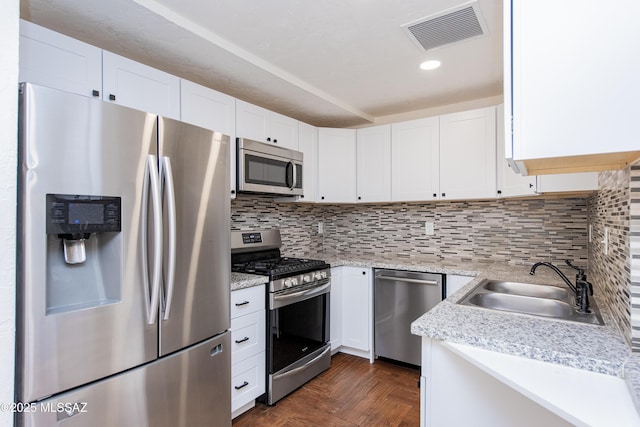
[{"x": 298, "y": 346}]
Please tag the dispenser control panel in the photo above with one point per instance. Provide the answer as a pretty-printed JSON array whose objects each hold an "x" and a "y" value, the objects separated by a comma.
[{"x": 73, "y": 214}]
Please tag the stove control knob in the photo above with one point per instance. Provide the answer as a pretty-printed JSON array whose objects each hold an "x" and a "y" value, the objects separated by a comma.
[
  {"x": 306, "y": 278},
  {"x": 321, "y": 275},
  {"x": 287, "y": 283},
  {"x": 294, "y": 281}
]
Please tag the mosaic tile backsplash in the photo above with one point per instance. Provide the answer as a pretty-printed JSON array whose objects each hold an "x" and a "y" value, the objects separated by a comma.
[
  {"x": 609, "y": 271},
  {"x": 514, "y": 231}
]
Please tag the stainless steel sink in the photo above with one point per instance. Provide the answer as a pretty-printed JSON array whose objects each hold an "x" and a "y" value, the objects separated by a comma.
[
  {"x": 528, "y": 298},
  {"x": 527, "y": 289},
  {"x": 522, "y": 304}
]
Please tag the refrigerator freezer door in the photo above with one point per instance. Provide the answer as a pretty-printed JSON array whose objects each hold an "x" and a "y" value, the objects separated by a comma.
[
  {"x": 81, "y": 322},
  {"x": 188, "y": 388},
  {"x": 195, "y": 175}
]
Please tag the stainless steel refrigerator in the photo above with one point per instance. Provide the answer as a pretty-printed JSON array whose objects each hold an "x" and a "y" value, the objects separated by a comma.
[{"x": 124, "y": 266}]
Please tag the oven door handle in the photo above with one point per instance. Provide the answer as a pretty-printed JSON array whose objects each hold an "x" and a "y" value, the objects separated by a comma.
[
  {"x": 307, "y": 293},
  {"x": 305, "y": 366}
]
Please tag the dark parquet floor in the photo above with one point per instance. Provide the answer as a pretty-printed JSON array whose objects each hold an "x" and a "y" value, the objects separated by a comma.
[{"x": 352, "y": 392}]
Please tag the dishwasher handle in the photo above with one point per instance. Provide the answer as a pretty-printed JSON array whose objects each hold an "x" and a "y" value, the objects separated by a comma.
[{"x": 409, "y": 280}]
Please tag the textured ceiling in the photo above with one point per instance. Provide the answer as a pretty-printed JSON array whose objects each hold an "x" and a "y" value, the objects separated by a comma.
[{"x": 328, "y": 63}]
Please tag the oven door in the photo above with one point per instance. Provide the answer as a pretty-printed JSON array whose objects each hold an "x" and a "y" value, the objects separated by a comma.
[{"x": 297, "y": 339}]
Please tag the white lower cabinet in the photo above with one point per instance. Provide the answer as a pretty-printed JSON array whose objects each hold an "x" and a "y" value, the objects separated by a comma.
[
  {"x": 455, "y": 283},
  {"x": 497, "y": 389},
  {"x": 248, "y": 336},
  {"x": 335, "y": 314},
  {"x": 354, "y": 291}
]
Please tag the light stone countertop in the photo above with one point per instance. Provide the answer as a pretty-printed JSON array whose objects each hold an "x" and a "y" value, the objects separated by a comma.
[
  {"x": 242, "y": 280},
  {"x": 595, "y": 348}
]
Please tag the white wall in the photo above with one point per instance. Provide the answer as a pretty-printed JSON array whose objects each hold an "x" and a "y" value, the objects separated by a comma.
[{"x": 9, "y": 19}]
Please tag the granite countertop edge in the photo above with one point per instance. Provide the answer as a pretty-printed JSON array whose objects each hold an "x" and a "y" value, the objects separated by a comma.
[
  {"x": 600, "y": 349},
  {"x": 594, "y": 348},
  {"x": 243, "y": 281}
]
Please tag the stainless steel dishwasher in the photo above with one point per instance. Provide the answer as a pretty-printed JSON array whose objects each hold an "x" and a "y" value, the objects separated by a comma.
[{"x": 400, "y": 297}]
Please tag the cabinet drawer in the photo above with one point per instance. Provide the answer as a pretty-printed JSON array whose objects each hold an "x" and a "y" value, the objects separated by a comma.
[
  {"x": 246, "y": 301},
  {"x": 247, "y": 380},
  {"x": 247, "y": 336}
]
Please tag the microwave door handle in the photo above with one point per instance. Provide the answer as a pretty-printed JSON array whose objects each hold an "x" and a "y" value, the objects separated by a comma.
[
  {"x": 295, "y": 179},
  {"x": 293, "y": 175}
]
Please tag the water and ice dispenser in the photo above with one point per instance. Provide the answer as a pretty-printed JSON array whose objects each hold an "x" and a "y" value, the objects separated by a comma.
[{"x": 83, "y": 251}]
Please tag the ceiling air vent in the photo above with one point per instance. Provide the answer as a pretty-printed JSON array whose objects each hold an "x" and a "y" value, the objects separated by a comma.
[{"x": 450, "y": 26}]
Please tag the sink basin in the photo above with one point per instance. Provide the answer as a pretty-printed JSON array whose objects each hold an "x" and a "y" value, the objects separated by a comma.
[
  {"x": 523, "y": 304},
  {"x": 527, "y": 289},
  {"x": 529, "y": 298}
]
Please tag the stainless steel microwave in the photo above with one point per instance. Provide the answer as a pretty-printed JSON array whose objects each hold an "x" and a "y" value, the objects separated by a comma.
[{"x": 267, "y": 168}]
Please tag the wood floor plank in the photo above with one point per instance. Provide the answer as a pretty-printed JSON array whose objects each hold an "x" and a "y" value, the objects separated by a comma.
[{"x": 352, "y": 392}]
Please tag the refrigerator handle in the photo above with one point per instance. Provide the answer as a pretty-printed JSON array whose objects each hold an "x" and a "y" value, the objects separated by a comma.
[
  {"x": 170, "y": 197},
  {"x": 153, "y": 180}
]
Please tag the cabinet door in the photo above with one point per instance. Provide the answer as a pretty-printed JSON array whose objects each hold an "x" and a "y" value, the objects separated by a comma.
[
  {"x": 468, "y": 154},
  {"x": 510, "y": 183},
  {"x": 356, "y": 308},
  {"x": 455, "y": 283},
  {"x": 138, "y": 86},
  {"x": 575, "y": 83},
  {"x": 337, "y": 165},
  {"x": 284, "y": 131},
  {"x": 252, "y": 122},
  {"x": 308, "y": 145},
  {"x": 335, "y": 315},
  {"x": 54, "y": 60},
  {"x": 212, "y": 110},
  {"x": 374, "y": 164},
  {"x": 415, "y": 160},
  {"x": 583, "y": 181}
]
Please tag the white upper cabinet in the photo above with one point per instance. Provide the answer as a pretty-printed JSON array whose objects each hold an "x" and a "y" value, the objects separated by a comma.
[
  {"x": 212, "y": 110},
  {"x": 415, "y": 160},
  {"x": 510, "y": 182},
  {"x": 260, "y": 124},
  {"x": 468, "y": 154},
  {"x": 308, "y": 145},
  {"x": 374, "y": 164},
  {"x": 567, "y": 182},
  {"x": 139, "y": 86},
  {"x": 571, "y": 77},
  {"x": 54, "y": 60},
  {"x": 337, "y": 165}
]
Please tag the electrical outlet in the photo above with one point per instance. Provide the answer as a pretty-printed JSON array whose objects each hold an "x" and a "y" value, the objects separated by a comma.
[
  {"x": 320, "y": 227},
  {"x": 428, "y": 228}
]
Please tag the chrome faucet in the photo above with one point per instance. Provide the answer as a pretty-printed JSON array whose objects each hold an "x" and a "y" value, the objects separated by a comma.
[{"x": 582, "y": 288}]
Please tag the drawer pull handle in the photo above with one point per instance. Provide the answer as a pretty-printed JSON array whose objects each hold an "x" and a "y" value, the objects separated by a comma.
[
  {"x": 238, "y": 304},
  {"x": 244, "y": 384},
  {"x": 242, "y": 340}
]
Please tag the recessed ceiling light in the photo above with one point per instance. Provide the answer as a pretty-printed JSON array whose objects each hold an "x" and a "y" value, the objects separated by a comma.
[{"x": 431, "y": 64}]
